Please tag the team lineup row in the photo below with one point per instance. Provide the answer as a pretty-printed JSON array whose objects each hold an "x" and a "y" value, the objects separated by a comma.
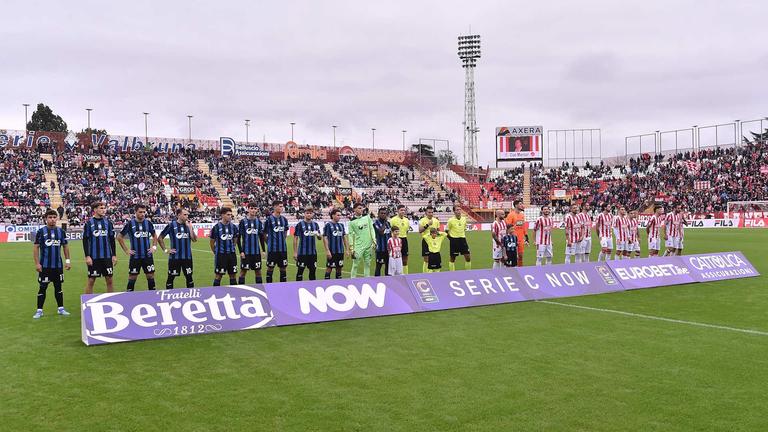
[{"x": 382, "y": 239}]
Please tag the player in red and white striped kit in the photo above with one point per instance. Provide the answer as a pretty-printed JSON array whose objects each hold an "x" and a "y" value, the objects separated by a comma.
[
  {"x": 395, "y": 249},
  {"x": 574, "y": 234},
  {"x": 543, "y": 235},
  {"x": 653, "y": 229},
  {"x": 621, "y": 231},
  {"x": 633, "y": 242},
  {"x": 498, "y": 231},
  {"x": 673, "y": 228},
  {"x": 604, "y": 226},
  {"x": 586, "y": 224}
]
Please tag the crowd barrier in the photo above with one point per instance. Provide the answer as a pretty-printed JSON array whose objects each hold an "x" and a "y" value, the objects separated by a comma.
[{"x": 128, "y": 316}]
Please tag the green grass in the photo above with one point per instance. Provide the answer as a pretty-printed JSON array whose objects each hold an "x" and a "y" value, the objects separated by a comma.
[{"x": 523, "y": 366}]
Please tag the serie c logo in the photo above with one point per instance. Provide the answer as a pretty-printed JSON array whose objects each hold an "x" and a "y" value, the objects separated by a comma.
[{"x": 426, "y": 292}]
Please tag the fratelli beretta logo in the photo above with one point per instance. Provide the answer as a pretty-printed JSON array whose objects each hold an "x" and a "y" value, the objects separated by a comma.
[{"x": 121, "y": 317}]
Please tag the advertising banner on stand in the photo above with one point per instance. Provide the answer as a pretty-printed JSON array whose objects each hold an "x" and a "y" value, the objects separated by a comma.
[
  {"x": 719, "y": 266},
  {"x": 568, "y": 280},
  {"x": 651, "y": 272},
  {"x": 458, "y": 289}
]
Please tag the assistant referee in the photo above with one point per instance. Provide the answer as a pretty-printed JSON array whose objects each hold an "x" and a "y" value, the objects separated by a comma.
[{"x": 457, "y": 239}]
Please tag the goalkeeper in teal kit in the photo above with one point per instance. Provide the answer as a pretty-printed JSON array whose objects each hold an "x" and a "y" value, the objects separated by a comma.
[{"x": 362, "y": 241}]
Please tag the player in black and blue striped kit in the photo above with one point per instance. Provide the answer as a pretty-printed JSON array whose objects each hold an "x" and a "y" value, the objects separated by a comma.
[
  {"x": 182, "y": 234},
  {"x": 383, "y": 232},
  {"x": 140, "y": 256},
  {"x": 305, "y": 237},
  {"x": 223, "y": 238},
  {"x": 275, "y": 229},
  {"x": 250, "y": 243},
  {"x": 99, "y": 247},
  {"x": 49, "y": 242},
  {"x": 336, "y": 244}
]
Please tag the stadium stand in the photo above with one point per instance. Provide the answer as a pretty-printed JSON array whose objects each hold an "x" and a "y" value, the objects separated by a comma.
[{"x": 23, "y": 189}]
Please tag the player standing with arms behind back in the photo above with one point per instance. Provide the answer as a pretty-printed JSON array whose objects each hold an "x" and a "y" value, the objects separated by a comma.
[
  {"x": 621, "y": 231},
  {"x": 361, "y": 241},
  {"x": 653, "y": 229},
  {"x": 673, "y": 228},
  {"x": 586, "y": 225},
  {"x": 603, "y": 226},
  {"x": 394, "y": 248},
  {"x": 543, "y": 235},
  {"x": 516, "y": 218},
  {"x": 99, "y": 247},
  {"x": 336, "y": 246},
  {"x": 633, "y": 242},
  {"x": 573, "y": 235},
  {"x": 275, "y": 229},
  {"x": 456, "y": 227},
  {"x": 383, "y": 232},
  {"x": 404, "y": 225},
  {"x": 223, "y": 238},
  {"x": 426, "y": 223},
  {"x": 182, "y": 234},
  {"x": 498, "y": 231},
  {"x": 49, "y": 242},
  {"x": 250, "y": 242},
  {"x": 140, "y": 255},
  {"x": 305, "y": 235}
]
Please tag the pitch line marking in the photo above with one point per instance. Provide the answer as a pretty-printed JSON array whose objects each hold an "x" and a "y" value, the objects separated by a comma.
[{"x": 657, "y": 318}]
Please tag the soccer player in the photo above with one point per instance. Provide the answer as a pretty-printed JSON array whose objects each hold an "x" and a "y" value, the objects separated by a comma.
[
  {"x": 305, "y": 245},
  {"x": 603, "y": 226},
  {"x": 404, "y": 226},
  {"x": 457, "y": 239},
  {"x": 574, "y": 233},
  {"x": 99, "y": 247},
  {"x": 673, "y": 228},
  {"x": 543, "y": 232},
  {"x": 49, "y": 243},
  {"x": 395, "y": 248},
  {"x": 361, "y": 240},
  {"x": 633, "y": 243},
  {"x": 586, "y": 225},
  {"x": 654, "y": 224},
  {"x": 516, "y": 218},
  {"x": 510, "y": 242},
  {"x": 223, "y": 238},
  {"x": 182, "y": 235},
  {"x": 336, "y": 246},
  {"x": 275, "y": 229},
  {"x": 498, "y": 230},
  {"x": 140, "y": 230},
  {"x": 250, "y": 242},
  {"x": 383, "y": 232},
  {"x": 434, "y": 240},
  {"x": 621, "y": 231},
  {"x": 426, "y": 223}
]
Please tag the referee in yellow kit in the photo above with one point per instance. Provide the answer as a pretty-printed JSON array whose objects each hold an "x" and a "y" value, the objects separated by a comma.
[
  {"x": 426, "y": 223},
  {"x": 401, "y": 221},
  {"x": 457, "y": 239}
]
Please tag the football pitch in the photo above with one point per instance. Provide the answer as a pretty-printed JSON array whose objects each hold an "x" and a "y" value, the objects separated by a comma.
[{"x": 689, "y": 357}]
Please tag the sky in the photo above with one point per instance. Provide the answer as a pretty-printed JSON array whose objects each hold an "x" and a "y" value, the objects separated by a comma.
[{"x": 625, "y": 67}]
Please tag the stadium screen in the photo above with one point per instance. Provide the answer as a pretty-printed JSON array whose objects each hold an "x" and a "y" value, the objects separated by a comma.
[{"x": 519, "y": 143}]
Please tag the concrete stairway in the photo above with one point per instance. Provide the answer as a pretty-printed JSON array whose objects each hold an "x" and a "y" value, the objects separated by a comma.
[
  {"x": 226, "y": 201},
  {"x": 527, "y": 186},
  {"x": 55, "y": 194}
]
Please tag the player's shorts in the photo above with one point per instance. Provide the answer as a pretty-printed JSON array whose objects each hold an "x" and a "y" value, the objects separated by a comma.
[
  {"x": 101, "y": 267},
  {"x": 179, "y": 267},
  {"x": 621, "y": 245},
  {"x": 434, "y": 261},
  {"x": 606, "y": 242},
  {"x": 653, "y": 243},
  {"x": 279, "y": 259},
  {"x": 573, "y": 249},
  {"x": 424, "y": 248},
  {"x": 336, "y": 261},
  {"x": 674, "y": 242},
  {"x": 510, "y": 262},
  {"x": 544, "y": 250},
  {"x": 633, "y": 246},
  {"x": 404, "y": 246},
  {"x": 137, "y": 265},
  {"x": 395, "y": 266},
  {"x": 497, "y": 252},
  {"x": 586, "y": 245},
  {"x": 251, "y": 262},
  {"x": 225, "y": 263},
  {"x": 382, "y": 257},
  {"x": 458, "y": 246},
  {"x": 50, "y": 275},
  {"x": 306, "y": 261}
]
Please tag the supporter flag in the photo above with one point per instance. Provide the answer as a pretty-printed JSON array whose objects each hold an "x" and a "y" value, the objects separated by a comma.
[
  {"x": 764, "y": 169},
  {"x": 693, "y": 166},
  {"x": 701, "y": 184}
]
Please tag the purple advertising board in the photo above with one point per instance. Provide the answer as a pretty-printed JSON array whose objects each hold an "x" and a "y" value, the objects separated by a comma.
[
  {"x": 568, "y": 280},
  {"x": 651, "y": 272},
  {"x": 458, "y": 289},
  {"x": 719, "y": 266}
]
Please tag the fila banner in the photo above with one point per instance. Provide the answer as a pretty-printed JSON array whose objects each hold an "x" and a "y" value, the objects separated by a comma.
[
  {"x": 519, "y": 143},
  {"x": 129, "y": 316}
]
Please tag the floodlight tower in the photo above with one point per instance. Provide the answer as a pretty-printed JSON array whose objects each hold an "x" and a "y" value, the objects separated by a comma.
[{"x": 469, "y": 52}]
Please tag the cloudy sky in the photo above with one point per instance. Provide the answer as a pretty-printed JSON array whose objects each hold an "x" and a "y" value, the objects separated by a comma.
[{"x": 627, "y": 67}]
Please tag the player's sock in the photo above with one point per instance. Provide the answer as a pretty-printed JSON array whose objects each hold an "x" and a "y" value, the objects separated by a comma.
[
  {"x": 367, "y": 268},
  {"x": 424, "y": 267},
  {"x": 217, "y": 282},
  {"x": 405, "y": 269},
  {"x": 151, "y": 284},
  {"x": 169, "y": 282},
  {"x": 258, "y": 279},
  {"x": 269, "y": 275},
  {"x": 190, "y": 282},
  {"x": 41, "y": 295},
  {"x": 312, "y": 273},
  {"x": 600, "y": 256},
  {"x": 299, "y": 274},
  {"x": 451, "y": 266},
  {"x": 538, "y": 261},
  {"x": 241, "y": 280},
  {"x": 467, "y": 265},
  {"x": 131, "y": 284},
  {"x": 58, "y": 294},
  {"x": 519, "y": 261},
  {"x": 377, "y": 271},
  {"x": 232, "y": 280},
  {"x": 328, "y": 274},
  {"x": 567, "y": 259},
  {"x": 338, "y": 273},
  {"x": 283, "y": 275}
]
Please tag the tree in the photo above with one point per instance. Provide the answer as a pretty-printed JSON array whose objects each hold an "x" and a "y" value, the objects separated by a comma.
[
  {"x": 757, "y": 137},
  {"x": 446, "y": 157},
  {"x": 43, "y": 119},
  {"x": 88, "y": 132},
  {"x": 424, "y": 151}
]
